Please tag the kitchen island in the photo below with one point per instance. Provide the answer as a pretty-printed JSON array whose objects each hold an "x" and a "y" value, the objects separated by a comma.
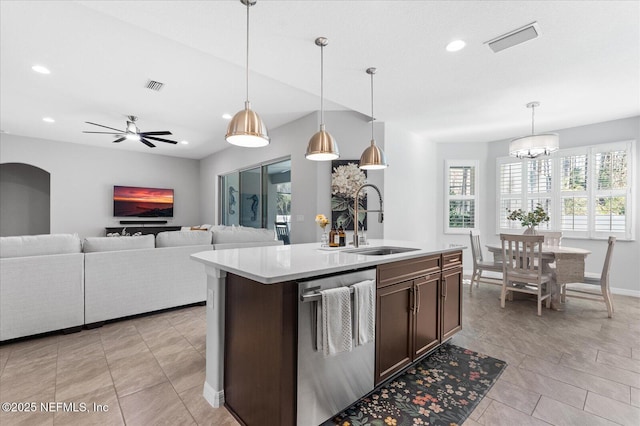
[{"x": 255, "y": 320}]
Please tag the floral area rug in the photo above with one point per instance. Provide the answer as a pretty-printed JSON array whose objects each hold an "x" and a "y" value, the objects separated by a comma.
[{"x": 441, "y": 389}]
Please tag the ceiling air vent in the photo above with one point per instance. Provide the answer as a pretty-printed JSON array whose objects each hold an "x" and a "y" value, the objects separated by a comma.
[
  {"x": 154, "y": 85},
  {"x": 515, "y": 37}
]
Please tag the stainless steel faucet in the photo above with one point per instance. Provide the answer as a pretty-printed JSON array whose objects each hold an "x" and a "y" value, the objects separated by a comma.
[{"x": 356, "y": 242}]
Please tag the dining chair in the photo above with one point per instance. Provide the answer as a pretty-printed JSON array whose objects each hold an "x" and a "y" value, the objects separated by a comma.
[
  {"x": 570, "y": 289},
  {"x": 480, "y": 265},
  {"x": 551, "y": 238},
  {"x": 282, "y": 231},
  {"x": 521, "y": 255}
]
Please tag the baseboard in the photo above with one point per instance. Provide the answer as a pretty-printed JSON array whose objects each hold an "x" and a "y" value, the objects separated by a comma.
[
  {"x": 625, "y": 292},
  {"x": 214, "y": 398}
]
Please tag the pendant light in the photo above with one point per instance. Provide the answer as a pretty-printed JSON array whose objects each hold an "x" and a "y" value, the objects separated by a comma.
[
  {"x": 534, "y": 145},
  {"x": 246, "y": 128},
  {"x": 322, "y": 146},
  {"x": 373, "y": 157}
]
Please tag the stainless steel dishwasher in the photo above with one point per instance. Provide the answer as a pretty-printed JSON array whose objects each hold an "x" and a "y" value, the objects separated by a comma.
[{"x": 328, "y": 385}]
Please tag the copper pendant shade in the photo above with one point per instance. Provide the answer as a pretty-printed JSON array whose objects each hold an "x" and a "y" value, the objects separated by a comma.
[
  {"x": 322, "y": 146},
  {"x": 246, "y": 128},
  {"x": 373, "y": 157}
]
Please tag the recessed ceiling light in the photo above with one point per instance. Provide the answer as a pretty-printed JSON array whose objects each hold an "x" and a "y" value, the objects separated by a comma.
[
  {"x": 184, "y": 142},
  {"x": 48, "y": 120},
  {"x": 456, "y": 45},
  {"x": 41, "y": 69},
  {"x": 226, "y": 116}
]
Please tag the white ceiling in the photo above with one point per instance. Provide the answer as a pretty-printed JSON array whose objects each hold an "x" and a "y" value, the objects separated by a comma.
[{"x": 584, "y": 68}]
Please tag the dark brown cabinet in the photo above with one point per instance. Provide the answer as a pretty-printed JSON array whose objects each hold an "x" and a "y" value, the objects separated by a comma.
[
  {"x": 427, "y": 315},
  {"x": 418, "y": 307},
  {"x": 394, "y": 335},
  {"x": 451, "y": 295}
]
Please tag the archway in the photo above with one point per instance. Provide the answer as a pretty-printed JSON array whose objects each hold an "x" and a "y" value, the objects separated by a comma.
[{"x": 25, "y": 200}]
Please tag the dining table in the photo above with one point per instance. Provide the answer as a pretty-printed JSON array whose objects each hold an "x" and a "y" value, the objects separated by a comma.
[{"x": 566, "y": 265}]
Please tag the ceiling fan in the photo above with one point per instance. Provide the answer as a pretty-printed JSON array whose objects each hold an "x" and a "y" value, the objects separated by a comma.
[{"x": 133, "y": 133}]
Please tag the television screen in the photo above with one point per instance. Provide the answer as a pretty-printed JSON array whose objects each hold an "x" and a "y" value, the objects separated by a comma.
[{"x": 132, "y": 201}]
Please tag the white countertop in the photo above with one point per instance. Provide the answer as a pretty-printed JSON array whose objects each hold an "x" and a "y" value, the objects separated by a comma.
[{"x": 273, "y": 264}]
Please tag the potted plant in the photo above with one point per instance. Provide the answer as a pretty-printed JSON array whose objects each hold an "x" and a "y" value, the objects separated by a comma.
[{"x": 529, "y": 219}]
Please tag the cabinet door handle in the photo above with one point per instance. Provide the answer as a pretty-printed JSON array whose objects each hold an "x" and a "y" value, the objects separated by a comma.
[
  {"x": 444, "y": 288},
  {"x": 418, "y": 303}
]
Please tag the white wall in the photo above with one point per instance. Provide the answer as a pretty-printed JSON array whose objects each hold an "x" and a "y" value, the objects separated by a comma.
[
  {"x": 625, "y": 272},
  {"x": 82, "y": 180},
  {"x": 410, "y": 186},
  {"x": 310, "y": 180}
]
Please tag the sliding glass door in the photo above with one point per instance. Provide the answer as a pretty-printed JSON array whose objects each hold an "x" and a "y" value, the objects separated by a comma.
[{"x": 258, "y": 196}]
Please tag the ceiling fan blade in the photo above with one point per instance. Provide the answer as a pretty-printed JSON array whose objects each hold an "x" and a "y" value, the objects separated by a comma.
[
  {"x": 147, "y": 143},
  {"x": 160, "y": 139},
  {"x": 106, "y": 127},
  {"x": 160, "y": 133},
  {"x": 106, "y": 133},
  {"x": 119, "y": 140}
]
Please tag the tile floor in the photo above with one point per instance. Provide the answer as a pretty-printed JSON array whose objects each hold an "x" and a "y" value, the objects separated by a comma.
[{"x": 565, "y": 368}]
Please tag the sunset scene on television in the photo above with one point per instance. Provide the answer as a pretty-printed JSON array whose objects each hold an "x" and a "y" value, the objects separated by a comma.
[{"x": 142, "y": 202}]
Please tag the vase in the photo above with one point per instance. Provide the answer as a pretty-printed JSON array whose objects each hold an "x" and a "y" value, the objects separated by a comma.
[
  {"x": 324, "y": 239},
  {"x": 531, "y": 230}
]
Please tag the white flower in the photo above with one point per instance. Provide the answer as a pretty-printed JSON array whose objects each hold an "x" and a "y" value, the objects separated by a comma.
[{"x": 346, "y": 179}]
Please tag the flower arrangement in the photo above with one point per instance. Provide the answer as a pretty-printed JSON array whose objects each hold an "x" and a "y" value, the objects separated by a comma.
[
  {"x": 529, "y": 219},
  {"x": 322, "y": 221},
  {"x": 345, "y": 181}
]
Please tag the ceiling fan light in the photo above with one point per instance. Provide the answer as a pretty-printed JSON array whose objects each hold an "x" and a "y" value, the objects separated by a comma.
[
  {"x": 322, "y": 147},
  {"x": 373, "y": 158},
  {"x": 133, "y": 137},
  {"x": 247, "y": 129}
]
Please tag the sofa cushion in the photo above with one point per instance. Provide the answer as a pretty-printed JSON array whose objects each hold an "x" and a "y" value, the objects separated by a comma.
[
  {"x": 242, "y": 235},
  {"x": 94, "y": 244},
  {"x": 37, "y": 245},
  {"x": 182, "y": 238}
]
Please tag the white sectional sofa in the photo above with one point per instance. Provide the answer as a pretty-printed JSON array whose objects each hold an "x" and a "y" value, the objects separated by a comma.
[
  {"x": 41, "y": 284},
  {"x": 53, "y": 282},
  {"x": 142, "y": 275}
]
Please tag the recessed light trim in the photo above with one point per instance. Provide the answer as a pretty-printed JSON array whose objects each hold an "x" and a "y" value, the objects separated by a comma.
[
  {"x": 41, "y": 69},
  {"x": 456, "y": 45},
  {"x": 227, "y": 116},
  {"x": 48, "y": 120}
]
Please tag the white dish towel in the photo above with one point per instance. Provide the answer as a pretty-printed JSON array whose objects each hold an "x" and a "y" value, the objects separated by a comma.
[
  {"x": 335, "y": 322},
  {"x": 364, "y": 305}
]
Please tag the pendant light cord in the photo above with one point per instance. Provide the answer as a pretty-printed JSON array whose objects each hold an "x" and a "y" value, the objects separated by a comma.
[
  {"x": 321, "y": 85},
  {"x": 372, "y": 107},
  {"x": 533, "y": 112},
  {"x": 247, "y": 62}
]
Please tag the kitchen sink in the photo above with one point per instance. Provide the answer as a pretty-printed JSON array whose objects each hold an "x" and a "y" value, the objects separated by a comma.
[{"x": 380, "y": 251}]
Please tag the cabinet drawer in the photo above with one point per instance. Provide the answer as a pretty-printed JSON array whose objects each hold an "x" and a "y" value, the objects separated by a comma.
[
  {"x": 408, "y": 269},
  {"x": 451, "y": 260}
]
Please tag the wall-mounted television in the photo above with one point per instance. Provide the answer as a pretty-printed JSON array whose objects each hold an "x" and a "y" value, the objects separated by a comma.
[{"x": 134, "y": 201}]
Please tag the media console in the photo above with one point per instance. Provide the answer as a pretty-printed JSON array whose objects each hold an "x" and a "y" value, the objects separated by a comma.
[{"x": 143, "y": 229}]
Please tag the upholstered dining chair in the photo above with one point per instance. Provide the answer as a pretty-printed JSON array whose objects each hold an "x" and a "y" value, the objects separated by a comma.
[
  {"x": 521, "y": 255},
  {"x": 603, "y": 294},
  {"x": 480, "y": 265}
]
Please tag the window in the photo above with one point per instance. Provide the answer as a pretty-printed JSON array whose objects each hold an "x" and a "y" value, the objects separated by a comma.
[
  {"x": 461, "y": 203},
  {"x": 586, "y": 191}
]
